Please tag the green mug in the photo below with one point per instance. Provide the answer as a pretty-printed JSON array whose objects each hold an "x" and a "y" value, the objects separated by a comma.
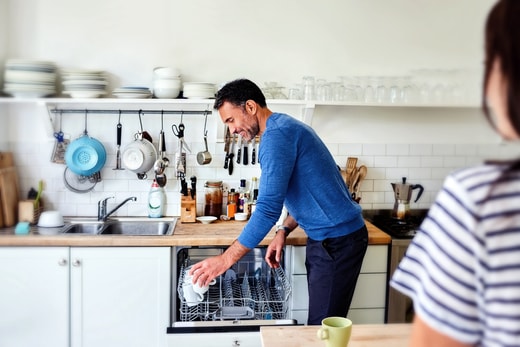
[{"x": 335, "y": 331}]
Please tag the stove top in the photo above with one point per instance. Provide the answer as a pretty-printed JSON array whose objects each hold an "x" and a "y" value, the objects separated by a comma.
[{"x": 397, "y": 228}]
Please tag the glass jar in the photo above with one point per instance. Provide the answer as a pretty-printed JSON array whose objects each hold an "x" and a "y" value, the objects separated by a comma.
[{"x": 213, "y": 198}]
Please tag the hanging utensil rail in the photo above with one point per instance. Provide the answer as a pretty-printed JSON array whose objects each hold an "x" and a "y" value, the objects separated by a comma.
[{"x": 83, "y": 110}]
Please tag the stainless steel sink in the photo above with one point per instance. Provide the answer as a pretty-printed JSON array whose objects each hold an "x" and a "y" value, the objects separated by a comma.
[
  {"x": 84, "y": 228},
  {"x": 123, "y": 226},
  {"x": 138, "y": 228}
]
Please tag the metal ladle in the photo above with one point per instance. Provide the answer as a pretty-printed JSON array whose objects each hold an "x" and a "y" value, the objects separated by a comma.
[
  {"x": 204, "y": 157},
  {"x": 162, "y": 162}
]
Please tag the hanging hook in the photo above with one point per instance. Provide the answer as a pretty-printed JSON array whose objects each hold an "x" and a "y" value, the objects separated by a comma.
[
  {"x": 182, "y": 115},
  {"x": 205, "y": 122},
  {"x": 86, "y": 112},
  {"x": 162, "y": 119},
  {"x": 119, "y": 119},
  {"x": 140, "y": 121}
]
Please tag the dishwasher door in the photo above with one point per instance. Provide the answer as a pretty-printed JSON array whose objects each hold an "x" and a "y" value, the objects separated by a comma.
[{"x": 246, "y": 297}]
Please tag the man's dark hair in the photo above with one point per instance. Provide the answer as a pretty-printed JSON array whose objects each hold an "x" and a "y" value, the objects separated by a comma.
[{"x": 238, "y": 92}]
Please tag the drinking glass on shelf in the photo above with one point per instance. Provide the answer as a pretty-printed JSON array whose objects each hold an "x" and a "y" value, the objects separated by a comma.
[
  {"x": 308, "y": 88},
  {"x": 381, "y": 90},
  {"x": 369, "y": 89}
]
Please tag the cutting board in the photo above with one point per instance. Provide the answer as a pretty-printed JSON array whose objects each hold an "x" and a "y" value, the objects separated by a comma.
[
  {"x": 6, "y": 160},
  {"x": 8, "y": 190}
]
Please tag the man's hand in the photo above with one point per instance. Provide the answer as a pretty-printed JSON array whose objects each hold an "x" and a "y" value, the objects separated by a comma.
[
  {"x": 273, "y": 255},
  {"x": 205, "y": 271}
]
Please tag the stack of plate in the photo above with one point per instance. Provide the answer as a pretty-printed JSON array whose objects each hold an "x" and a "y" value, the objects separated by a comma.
[
  {"x": 29, "y": 78},
  {"x": 199, "y": 90},
  {"x": 80, "y": 83},
  {"x": 130, "y": 92}
]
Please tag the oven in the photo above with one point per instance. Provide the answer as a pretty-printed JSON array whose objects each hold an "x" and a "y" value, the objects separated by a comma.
[
  {"x": 250, "y": 294},
  {"x": 399, "y": 307}
]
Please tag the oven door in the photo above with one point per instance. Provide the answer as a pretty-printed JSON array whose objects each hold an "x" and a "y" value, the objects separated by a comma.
[{"x": 247, "y": 296}]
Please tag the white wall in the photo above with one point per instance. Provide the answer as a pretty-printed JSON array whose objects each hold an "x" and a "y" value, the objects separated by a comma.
[{"x": 265, "y": 41}]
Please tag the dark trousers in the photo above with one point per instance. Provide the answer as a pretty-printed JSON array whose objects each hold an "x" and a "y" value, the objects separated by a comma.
[{"x": 333, "y": 267}]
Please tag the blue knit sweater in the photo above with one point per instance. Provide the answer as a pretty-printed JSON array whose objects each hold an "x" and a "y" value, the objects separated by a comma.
[{"x": 299, "y": 171}]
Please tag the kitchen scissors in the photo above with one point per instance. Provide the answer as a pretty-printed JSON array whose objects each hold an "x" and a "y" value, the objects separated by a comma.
[{"x": 179, "y": 132}]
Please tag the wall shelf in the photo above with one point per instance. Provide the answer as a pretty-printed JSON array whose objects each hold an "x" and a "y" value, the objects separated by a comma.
[{"x": 203, "y": 106}]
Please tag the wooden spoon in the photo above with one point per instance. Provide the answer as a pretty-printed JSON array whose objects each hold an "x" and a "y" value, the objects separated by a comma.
[
  {"x": 362, "y": 171},
  {"x": 351, "y": 165}
]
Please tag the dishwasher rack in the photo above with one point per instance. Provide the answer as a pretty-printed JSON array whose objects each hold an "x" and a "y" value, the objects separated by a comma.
[{"x": 243, "y": 292}]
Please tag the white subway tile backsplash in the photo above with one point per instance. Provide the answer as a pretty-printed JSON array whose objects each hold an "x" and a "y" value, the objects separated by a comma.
[
  {"x": 374, "y": 149},
  {"x": 466, "y": 149},
  {"x": 425, "y": 164},
  {"x": 421, "y": 149},
  {"x": 432, "y": 161},
  {"x": 444, "y": 150},
  {"x": 398, "y": 149},
  {"x": 409, "y": 161},
  {"x": 350, "y": 149},
  {"x": 385, "y": 161}
]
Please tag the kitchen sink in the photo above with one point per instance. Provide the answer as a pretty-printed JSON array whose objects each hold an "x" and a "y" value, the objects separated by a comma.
[
  {"x": 125, "y": 226},
  {"x": 139, "y": 228},
  {"x": 84, "y": 228}
]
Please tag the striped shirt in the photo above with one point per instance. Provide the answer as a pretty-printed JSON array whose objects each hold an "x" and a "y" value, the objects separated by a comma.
[{"x": 462, "y": 269}]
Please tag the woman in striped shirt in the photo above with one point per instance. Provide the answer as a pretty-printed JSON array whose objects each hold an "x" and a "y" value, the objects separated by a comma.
[{"x": 462, "y": 269}]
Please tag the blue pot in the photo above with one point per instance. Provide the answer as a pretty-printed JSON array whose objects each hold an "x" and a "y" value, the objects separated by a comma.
[{"x": 85, "y": 156}]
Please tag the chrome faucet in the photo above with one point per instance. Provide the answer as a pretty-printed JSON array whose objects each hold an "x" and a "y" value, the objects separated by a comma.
[{"x": 102, "y": 207}]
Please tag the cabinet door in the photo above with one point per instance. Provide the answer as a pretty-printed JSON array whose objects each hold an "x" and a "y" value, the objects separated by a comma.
[
  {"x": 34, "y": 296},
  {"x": 120, "y": 296}
]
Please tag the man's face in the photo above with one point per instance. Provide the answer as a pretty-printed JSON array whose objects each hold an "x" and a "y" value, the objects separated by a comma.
[{"x": 240, "y": 119}]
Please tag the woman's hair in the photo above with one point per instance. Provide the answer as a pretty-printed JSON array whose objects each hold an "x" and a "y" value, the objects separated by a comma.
[
  {"x": 502, "y": 42},
  {"x": 238, "y": 92}
]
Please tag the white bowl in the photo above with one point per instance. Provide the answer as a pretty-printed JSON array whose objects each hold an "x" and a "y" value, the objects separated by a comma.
[
  {"x": 167, "y": 72},
  {"x": 51, "y": 219},
  {"x": 167, "y": 83},
  {"x": 207, "y": 219},
  {"x": 240, "y": 216},
  {"x": 166, "y": 93}
]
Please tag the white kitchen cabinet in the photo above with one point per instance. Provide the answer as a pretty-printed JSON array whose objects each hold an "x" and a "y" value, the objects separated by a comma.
[
  {"x": 368, "y": 303},
  {"x": 34, "y": 296},
  {"x": 120, "y": 296},
  {"x": 82, "y": 297}
]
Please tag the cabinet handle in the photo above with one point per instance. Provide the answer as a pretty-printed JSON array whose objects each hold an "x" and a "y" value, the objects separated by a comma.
[
  {"x": 76, "y": 262},
  {"x": 236, "y": 343},
  {"x": 62, "y": 262}
]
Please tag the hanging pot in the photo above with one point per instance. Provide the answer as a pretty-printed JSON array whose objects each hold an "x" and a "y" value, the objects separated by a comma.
[{"x": 139, "y": 156}]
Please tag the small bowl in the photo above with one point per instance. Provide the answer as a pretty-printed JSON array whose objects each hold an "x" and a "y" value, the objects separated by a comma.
[
  {"x": 51, "y": 219},
  {"x": 206, "y": 219},
  {"x": 241, "y": 216},
  {"x": 166, "y": 93}
]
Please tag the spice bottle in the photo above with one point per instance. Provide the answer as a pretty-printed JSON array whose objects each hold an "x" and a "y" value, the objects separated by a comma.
[{"x": 231, "y": 204}]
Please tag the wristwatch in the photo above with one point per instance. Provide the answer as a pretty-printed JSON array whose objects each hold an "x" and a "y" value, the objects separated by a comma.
[{"x": 284, "y": 228}]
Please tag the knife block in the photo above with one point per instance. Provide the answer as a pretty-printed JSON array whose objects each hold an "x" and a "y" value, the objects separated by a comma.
[{"x": 188, "y": 208}]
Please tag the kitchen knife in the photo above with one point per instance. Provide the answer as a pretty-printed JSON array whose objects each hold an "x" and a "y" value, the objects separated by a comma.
[
  {"x": 239, "y": 153},
  {"x": 245, "y": 160},
  {"x": 231, "y": 154},
  {"x": 193, "y": 180},
  {"x": 184, "y": 186},
  {"x": 227, "y": 148},
  {"x": 253, "y": 154}
]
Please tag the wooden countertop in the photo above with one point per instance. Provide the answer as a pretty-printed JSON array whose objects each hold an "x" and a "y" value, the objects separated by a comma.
[
  {"x": 219, "y": 233},
  {"x": 363, "y": 335}
]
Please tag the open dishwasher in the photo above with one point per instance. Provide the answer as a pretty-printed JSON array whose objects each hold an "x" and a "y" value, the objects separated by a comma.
[{"x": 250, "y": 294}]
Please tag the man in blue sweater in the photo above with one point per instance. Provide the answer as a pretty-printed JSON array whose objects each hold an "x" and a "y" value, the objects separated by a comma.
[{"x": 299, "y": 172}]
